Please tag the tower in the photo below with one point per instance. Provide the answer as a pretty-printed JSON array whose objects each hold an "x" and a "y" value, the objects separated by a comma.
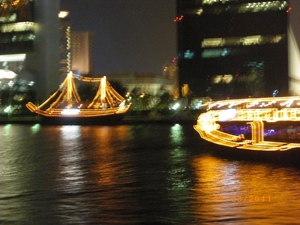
[
  {"x": 82, "y": 52},
  {"x": 43, "y": 63},
  {"x": 294, "y": 48},
  {"x": 65, "y": 44}
]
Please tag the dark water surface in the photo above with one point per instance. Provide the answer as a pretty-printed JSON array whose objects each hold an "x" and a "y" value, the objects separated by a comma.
[{"x": 135, "y": 174}]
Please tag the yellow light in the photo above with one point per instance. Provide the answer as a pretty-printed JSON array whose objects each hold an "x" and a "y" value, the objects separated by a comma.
[
  {"x": 217, "y": 79},
  {"x": 63, "y": 14},
  {"x": 70, "y": 111},
  {"x": 103, "y": 88},
  {"x": 253, "y": 111}
]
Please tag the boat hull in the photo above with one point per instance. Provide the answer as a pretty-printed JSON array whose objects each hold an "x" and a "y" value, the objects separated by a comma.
[
  {"x": 253, "y": 128},
  {"x": 228, "y": 146},
  {"x": 95, "y": 120},
  {"x": 289, "y": 157},
  {"x": 80, "y": 116}
]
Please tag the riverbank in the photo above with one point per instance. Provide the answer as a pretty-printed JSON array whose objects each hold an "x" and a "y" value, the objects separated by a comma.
[
  {"x": 185, "y": 116},
  {"x": 19, "y": 119}
]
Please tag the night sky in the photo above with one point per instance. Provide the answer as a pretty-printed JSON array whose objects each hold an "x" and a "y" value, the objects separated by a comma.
[{"x": 130, "y": 35}]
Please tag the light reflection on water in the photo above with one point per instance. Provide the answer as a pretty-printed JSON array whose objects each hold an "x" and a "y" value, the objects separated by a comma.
[
  {"x": 135, "y": 174},
  {"x": 248, "y": 192}
]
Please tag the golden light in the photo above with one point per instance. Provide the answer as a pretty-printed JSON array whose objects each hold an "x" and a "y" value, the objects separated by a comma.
[
  {"x": 227, "y": 78},
  {"x": 63, "y": 14},
  {"x": 253, "y": 111},
  {"x": 67, "y": 102},
  {"x": 103, "y": 88},
  {"x": 70, "y": 111},
  {"x": 217, "y": 79}
]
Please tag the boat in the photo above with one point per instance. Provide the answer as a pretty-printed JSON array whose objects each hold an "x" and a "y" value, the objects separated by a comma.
[
  {"x": 65, "y": 106},
  {"x": 257, "y": 114}
]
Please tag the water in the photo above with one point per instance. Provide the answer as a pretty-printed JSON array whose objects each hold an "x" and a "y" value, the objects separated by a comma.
[{"x": 135, "y": 174}]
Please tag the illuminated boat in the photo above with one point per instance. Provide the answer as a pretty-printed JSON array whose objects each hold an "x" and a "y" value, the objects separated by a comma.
[
  {"x": 256, "y": 113},
  {"x": 66, "y": 107}
]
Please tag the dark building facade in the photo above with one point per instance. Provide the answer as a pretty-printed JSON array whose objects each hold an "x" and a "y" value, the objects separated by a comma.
[
  {"x": 233, "y": 48},
  {"x": 29, "y": 42},
  {"x": 16, "y": 27}
]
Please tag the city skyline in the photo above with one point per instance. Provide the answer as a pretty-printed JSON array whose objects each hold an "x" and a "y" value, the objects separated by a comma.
[
  {"x": 222, "y": 45},
  {"x": 129, "y": 35}
]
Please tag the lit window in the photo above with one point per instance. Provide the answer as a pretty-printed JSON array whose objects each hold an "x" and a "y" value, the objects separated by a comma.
[
  {"x": 188, "y": 54},
  {"x": 240, "y": 8},
  {"x": 248, "y": 40}
]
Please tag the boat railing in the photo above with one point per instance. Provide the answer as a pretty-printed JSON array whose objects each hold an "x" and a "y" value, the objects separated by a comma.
[{"x": 269, "y": 115}]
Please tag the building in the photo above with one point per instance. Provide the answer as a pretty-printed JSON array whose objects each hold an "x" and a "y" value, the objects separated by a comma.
[
  {"x": 294, "y": 48},
  {"x": 82, "y": 51},
  {"x": 170, "y": 71},
  {"x": 29, "y": 41},
  {"x": 43, "y": 62},
  {"x": 150, "y": 84},
  {"x": 65, "y": 44},
  {"x": 17, "y": 27},
  {"x": 16, "y": 34},
  {"x": 233, "y": 48}
]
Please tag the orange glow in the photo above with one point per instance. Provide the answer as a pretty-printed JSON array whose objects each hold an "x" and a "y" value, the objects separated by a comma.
[
  {"x": 225, "y": 190},
  {"x": 106, "y": 101},
  {"x": 63, "y": 14},
  {"x": 253, "y": 111},
  {"x": 178, "y": 18}
]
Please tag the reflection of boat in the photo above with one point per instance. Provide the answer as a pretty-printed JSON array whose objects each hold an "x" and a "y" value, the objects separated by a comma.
[
  {"x": 256, "y": 113},
  {"x": 66, "y": 107}
]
